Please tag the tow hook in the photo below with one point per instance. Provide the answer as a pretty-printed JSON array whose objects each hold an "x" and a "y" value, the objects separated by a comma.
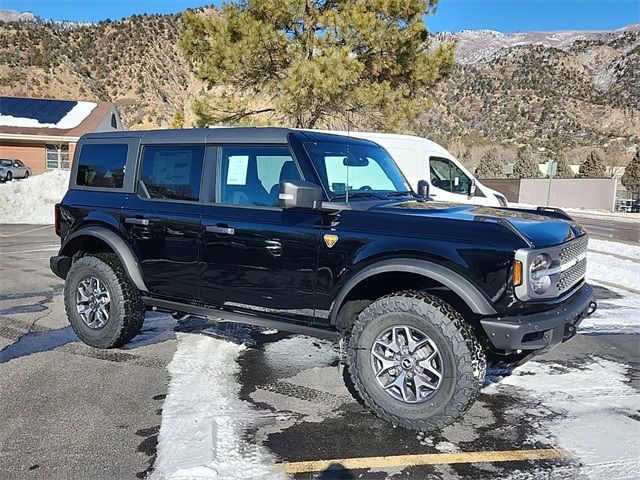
[{"x": 593, "y": 306}]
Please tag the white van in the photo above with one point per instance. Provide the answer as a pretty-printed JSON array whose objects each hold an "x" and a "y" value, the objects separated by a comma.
[{"x": 422, "y": 159}]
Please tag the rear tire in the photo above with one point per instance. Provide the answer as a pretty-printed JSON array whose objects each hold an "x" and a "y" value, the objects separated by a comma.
[
  {"x": 26, "y": 174},
  {"x": 98, "y": 284},
  {"x": 441, "y": 368}
]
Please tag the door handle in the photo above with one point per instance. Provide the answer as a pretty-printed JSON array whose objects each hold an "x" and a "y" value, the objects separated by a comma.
[
  {"x": 220, "y": 229},
  {"x": 136, "y": 221}
]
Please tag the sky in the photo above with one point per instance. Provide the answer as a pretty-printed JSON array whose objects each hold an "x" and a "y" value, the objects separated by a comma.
[{"x": 453, "y": 15}]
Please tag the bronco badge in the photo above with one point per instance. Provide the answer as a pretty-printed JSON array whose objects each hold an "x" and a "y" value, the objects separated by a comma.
[{"x": 330, "y": 240}]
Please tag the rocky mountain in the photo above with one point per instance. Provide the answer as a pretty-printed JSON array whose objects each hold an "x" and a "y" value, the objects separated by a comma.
[{"x": 559, "y": 90}]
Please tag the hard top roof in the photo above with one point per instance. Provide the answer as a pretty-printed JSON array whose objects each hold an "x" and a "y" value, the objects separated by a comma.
[{"x": 264, "y": 135}]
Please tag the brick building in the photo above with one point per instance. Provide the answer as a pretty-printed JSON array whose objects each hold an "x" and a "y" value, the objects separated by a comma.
[{"x": 43, "y": 133}]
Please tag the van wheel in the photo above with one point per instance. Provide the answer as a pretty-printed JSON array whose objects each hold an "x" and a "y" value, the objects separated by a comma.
[
  {"x": 415, "y": 362},
  {"x": 102, "y": 304}
]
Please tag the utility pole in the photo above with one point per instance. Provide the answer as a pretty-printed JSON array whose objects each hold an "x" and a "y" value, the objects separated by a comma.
[{"x": 552, "y": 169}]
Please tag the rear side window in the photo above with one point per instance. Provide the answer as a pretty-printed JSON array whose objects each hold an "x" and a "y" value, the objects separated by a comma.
[
  {"x": 171, "y": 172},
  {"x": 102, "y": 165}
]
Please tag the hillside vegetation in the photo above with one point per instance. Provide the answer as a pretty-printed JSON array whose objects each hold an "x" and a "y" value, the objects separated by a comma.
[{"x": 566, "y": 91}]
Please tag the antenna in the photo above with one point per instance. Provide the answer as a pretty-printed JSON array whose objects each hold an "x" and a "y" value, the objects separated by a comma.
[{"x": 346, "y": 189}]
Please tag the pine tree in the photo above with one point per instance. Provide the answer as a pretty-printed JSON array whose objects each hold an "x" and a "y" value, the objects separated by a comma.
[
  {"x": 631, "y": 177},
  {"x": 490, "y": 165},
  {"x": 304, "y": 63},
  {"x": 526, "y": 166},
  {"x": 592, "y": 167},
  {"x": 563, "y": 170}
]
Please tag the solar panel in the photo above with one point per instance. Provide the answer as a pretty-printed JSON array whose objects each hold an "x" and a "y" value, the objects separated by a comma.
[{"x": 45, "y": 111}]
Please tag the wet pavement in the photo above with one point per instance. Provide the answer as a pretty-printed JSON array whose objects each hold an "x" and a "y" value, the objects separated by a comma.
[{"x": 70, "y": 411}]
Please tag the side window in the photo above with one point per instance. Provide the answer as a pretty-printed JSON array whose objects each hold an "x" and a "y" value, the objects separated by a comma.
[
  {"x": 446, "y": 175},
  {"x": 251, "y": 175},
  {"x": 171, "y": 172},
  {"x": 102, "y": 165}
]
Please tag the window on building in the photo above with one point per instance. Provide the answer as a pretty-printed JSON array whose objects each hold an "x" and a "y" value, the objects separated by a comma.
[
  {"x": 57, "y": 156},
  {"x": 102, "y": 165},
  {"x": 171, "y": 172}
]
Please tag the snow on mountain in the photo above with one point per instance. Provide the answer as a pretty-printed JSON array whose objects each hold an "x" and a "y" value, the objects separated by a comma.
[{"x": 481, "y": 46}]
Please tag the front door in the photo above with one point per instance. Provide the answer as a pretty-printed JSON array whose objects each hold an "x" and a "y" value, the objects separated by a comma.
[
  {"x": 162, "y": 219},
  {"x": 257, "y": 257}
]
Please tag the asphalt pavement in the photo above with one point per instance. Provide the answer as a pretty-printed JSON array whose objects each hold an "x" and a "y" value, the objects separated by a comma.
[{"x": 70, "y": 411}]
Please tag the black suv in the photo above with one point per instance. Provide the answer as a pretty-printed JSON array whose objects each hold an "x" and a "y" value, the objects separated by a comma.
[{"x": 316, "y": 234}]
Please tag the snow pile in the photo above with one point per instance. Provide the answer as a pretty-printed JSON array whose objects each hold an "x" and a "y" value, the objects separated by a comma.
[
  {"x": 595, "y": 408},
  {"x": 202, "y": 435},
  {"x": 31, "y": 200},
  {"x": 72, "y": 119},
  {"x": 604, "y": 246}
]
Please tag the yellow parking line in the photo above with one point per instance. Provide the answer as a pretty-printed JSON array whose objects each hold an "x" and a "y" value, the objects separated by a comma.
[
  {"x": 424, "y": 459},
  {"x": 26, "y": 231}
]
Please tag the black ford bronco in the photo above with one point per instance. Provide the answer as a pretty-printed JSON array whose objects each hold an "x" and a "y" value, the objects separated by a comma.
[{"x": 316, "y": 234}]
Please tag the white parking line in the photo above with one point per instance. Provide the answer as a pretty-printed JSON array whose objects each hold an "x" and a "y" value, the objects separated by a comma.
[{"x": 15, "y": 234}]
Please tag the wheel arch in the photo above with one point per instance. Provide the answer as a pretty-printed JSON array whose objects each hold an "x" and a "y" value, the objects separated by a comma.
[
  {"x": 468, "y": 293},
  {"x": 90, "y": 234}
]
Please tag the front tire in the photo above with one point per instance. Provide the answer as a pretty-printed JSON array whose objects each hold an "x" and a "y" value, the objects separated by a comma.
[
  {"x": 102, "y": 303},
  {"x": 415, "y": 362},
  {"x": 9, "y": 177}
]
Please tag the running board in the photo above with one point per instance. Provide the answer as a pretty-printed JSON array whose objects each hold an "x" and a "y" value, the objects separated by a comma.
[{"x": 226, "y": 316}]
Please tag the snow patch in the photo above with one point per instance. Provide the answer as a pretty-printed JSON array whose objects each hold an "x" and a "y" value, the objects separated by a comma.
[
  {"x": 595, "y": 406},
  {"x": 203, "y": 421},
  {"x": 31, "y": 200},
  {"x": 72, "y": 119},
  {"x": 631, "y": 251},
  {"x": 607, "y": 268}
]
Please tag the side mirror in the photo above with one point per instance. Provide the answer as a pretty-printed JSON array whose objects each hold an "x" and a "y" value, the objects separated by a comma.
[
  {"x": 299, "y": 194},
  {"x": 423, "y": 188},
  {"x": 472, "y": 188}
]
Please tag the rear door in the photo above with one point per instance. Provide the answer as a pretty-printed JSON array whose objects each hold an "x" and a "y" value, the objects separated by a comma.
[
  {"x": 257, "y": 257},
  {"x": 162, "y": 218}
]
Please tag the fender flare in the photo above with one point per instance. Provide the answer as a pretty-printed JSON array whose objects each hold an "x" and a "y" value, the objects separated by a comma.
[
  {"x": 469, "y": 294},
  {"x": 118, "y": 245}
]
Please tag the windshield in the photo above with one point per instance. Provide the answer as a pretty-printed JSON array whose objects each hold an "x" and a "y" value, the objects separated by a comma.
[
  {"x": 356, "y": 170},
  {"x": 5, "y": 163}
]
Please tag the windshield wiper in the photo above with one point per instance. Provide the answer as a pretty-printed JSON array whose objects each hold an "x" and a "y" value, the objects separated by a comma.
[
  {"x": 355, "y": 195},
  {"x": 400, "y": 194}
]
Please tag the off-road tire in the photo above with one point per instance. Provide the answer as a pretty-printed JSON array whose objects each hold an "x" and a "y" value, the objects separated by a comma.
[
  {"x": 126, "y": 313},
  {"x": 462, "y": 355}
]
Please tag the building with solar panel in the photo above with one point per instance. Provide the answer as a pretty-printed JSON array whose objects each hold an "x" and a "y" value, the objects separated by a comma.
[{"x": 43, "y": 132}]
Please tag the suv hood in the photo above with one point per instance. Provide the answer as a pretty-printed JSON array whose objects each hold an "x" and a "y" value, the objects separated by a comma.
[{"x": 540, "y": 228}]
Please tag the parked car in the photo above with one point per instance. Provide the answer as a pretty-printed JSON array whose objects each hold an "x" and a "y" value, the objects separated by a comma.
[
  {"x": 420, "y": 158},
  {"x": 317, "y": 234},
  {"x": 13, "y": 168}
]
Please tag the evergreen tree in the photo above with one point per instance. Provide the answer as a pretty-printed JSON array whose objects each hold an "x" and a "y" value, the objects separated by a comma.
[
  {"x": 631, "y": 177},
  {"x": 526, "y": 166},
  {"x": 563, "y": 170},
  {"x": 301, "y": 63},
  {"x": 592, "y": 166},
  {"x": 490, "y": 165}
]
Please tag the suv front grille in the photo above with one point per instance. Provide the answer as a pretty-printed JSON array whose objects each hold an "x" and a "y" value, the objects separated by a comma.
[
  {"x": 573, "y": 251},
  {"x": 573, "y": 263},
  {"x": 570, "y": 277}
]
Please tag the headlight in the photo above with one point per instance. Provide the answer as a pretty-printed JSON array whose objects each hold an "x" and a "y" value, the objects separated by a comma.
[{"x": 539, "y": 273}]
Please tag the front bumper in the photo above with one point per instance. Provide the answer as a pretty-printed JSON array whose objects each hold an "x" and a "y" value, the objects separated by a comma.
[{"x": 541, "y": 331}]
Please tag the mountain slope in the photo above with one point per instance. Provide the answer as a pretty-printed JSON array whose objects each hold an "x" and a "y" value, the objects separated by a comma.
[{"x": 563, "y": 89}]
